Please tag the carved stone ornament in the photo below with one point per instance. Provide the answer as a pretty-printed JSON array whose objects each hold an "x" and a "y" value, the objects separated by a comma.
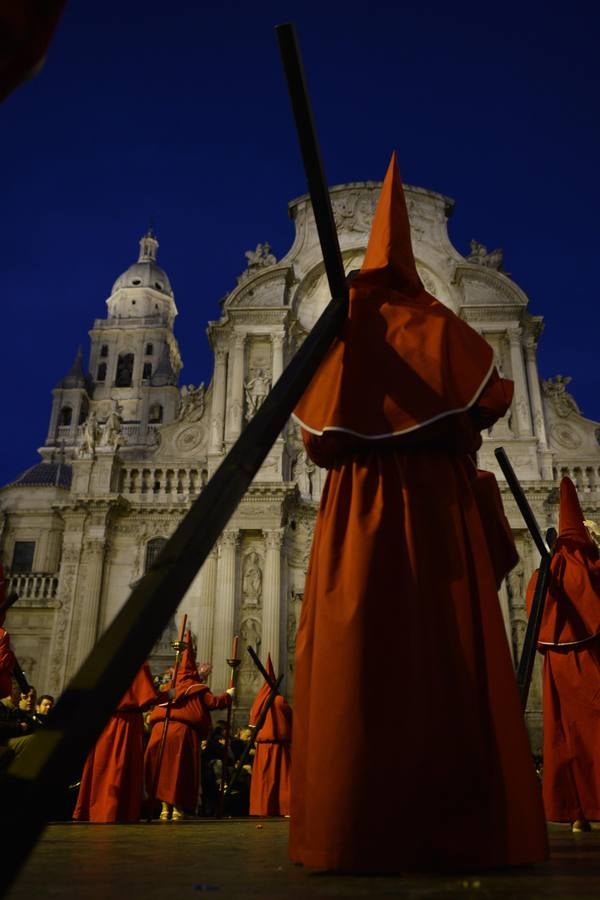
[
  {"x": 252, "y": 579},
  {"x": 258, "y": 259},
  {"x": 110, "y": 435},
  {"x": 189, "y": 439},
  {"x": 354, "y": 210},
  {"x": 565, "y": 436},
  {"x": 555, "y": 390},
  {"x": 256, "y": 389},
  {"x": 89, "y": 436},
  {"x": 480, "y": 256},
  {"x": 192, "y": 403}
]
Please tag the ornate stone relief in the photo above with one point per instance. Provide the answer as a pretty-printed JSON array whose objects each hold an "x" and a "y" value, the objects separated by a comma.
[
  {"x": 256, "y": 389},
  {"x": 482, "y": 257},
  {"x": 258, "y": 259},
  {"x": 252, "y": 579},
  {"x": 555, "y": 390},
  {"x": 192, "y": 403},
  {"x": 565, "y": 436}
]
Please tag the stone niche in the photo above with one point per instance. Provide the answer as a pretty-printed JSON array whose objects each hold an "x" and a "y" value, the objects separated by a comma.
[{"x": 252, "y": 566}]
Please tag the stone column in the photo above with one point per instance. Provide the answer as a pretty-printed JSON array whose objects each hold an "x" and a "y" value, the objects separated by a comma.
[
  {"x": 521, "y": 398},
  {"x": 235, "y": 392},
  {"x": 217, "y": 413},
  {"x": 539, "y": 425},
  {"x": 277, "y": 366},
  {"x": 206, "y": 608},
  {"x": 224, "y": 616},
  {"x": 271, "y": 618},
  {"x": 89, "y": 589}
]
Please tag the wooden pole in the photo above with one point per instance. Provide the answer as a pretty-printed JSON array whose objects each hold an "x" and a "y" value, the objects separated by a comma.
[
  {"x": 527, "y": 660},
  {"x": 233, "y": 664},
  {"x": 81, "y": 712}
]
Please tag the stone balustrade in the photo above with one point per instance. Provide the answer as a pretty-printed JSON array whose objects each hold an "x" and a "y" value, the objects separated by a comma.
[
  {"x": 154, "y": 484},
  {"x": 585, "y": 475},
  {"x": 131, "y": 433},
  {"x": 33, "y": 588}
]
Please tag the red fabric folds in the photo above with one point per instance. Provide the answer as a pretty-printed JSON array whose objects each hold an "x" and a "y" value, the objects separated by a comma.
[
  {"x": 570, "y": 640},
  {"x": 178, "y": 781},
  {"x": 401, "y": 642},
  {"x": 403, "y": 359},
  {"x": 270, "y": 783},
  {"x": 112, "y": 781}
]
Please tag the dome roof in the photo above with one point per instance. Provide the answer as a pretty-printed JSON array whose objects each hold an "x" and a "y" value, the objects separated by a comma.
[
  {"x": 45, "y": 475},
  {"x": 145, "y": 273}
]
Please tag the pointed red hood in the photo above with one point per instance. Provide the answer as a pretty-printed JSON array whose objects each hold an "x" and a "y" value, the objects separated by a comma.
[
  {"x": 389, "y": 260},
  {"x": 403, "y": 359},
  {"x": 262, "y": 695},
  {"x": 570, "y": 520},
  {"x": 187, "y": 674}
]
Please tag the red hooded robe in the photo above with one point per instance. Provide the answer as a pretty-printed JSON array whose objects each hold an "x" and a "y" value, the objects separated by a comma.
[
  {"x": 570, "y": 640},
  {"x": 189, "y": 723},
  {"x": 112, "y": 781},
  {"x": 270, "y": 782},
  {"x": 7, "y": 657},
  {"x": 401, "y": 639}
]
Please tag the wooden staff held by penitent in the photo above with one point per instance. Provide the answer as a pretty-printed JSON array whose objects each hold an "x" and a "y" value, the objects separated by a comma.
[
  {"x": 178, "y": 646},
  {"x": 233, "y": 664}
]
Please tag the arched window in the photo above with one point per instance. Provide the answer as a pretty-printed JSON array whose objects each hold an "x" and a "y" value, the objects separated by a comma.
[
  {"x": 104, "y": 350},
  {"x": 153, "y": 550},
  {"x": 147, "y": 372},
  {"x": 149, "y": 349},
  {"x": 124, "y": 370},
  {"x": 66, "y": 415},
  {"x": 155, "y": 414},
  {"x": 101, "y": 373}
]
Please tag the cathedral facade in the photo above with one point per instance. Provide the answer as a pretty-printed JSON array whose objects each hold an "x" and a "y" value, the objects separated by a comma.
[{"x": 128, "y": 450}]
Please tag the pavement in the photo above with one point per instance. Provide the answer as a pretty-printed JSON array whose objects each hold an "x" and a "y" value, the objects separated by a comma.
[{"x": 246, "y": 858}]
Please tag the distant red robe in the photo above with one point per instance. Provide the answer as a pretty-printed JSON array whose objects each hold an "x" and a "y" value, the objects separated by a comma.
[
  {"x": 112, "y": 781},
  {"x": 401, "y": 641},
  {"x": 270, "y": 782},
  {"x": 7, "y": 664},
  {"x": 570, "y": 641},
  {"x": 7, "y": 657},
  {"x": 189, "y": 724}
]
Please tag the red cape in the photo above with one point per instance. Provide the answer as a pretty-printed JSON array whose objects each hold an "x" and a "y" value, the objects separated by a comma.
[
  {"x": 403, "y": 360},
  {"x": 401, "y": 627},
  {"x": 112, "y": 780},
  {"x": 270, "y": 783}
]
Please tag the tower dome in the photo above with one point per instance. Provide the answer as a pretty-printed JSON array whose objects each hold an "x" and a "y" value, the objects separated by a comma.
[{"x": 145, "y": 273}]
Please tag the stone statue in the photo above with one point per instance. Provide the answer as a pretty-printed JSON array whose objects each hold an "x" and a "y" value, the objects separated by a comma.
[
  {"x": 555, "y": 389},
  {"x": 90, "y": 435},
  {"x": 261, "y": 257},
  {"x": 479, "y": 255},
  {"x": 252, "y": 579},
  {"x": 515, "y": 583},
  {"x": 191, "y": 403},
  {"x": 111, "y": 430},
  {"x": 304, "y": 470},
  {"x": 256, "y": 389},
  {"x": 257, "y": 259},
  {"x": 250, "y": 635}
]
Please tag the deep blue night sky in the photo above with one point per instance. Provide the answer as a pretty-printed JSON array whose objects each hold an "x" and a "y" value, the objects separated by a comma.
[{"x": 178, "y": 113}]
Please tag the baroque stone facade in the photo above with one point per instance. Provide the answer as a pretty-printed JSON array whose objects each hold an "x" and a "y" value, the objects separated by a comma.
[{"x": 128, "y": 450}]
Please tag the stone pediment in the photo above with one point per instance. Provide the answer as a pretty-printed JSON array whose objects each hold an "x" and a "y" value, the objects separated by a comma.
[
  {"x": 353, "y": 207},
  {"x": 267, "y": 288},
  {"x": 483, "y": 286},
  {"x": 571, "y": 435}
]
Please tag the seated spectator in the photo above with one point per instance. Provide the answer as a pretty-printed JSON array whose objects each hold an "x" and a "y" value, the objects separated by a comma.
[{"x": 44, "y": 704}]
